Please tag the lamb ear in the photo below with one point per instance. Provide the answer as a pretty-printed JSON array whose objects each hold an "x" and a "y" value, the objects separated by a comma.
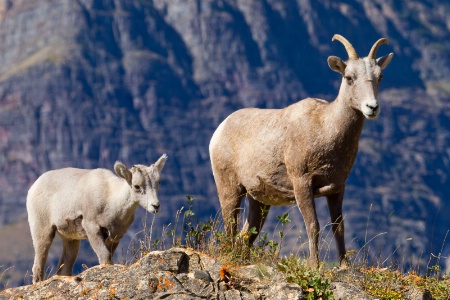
[
  {"x": 122, "y": 171},
  {"x": 385, "y": 60},
  {"x": 336, "y": 64},
  {"x": 161, "y": 162}
]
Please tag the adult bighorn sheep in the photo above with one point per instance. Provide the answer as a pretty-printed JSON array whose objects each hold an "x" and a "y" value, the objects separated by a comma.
[
  {"x": 93, "y": 204},
  {"x": 293, "y": 155}
]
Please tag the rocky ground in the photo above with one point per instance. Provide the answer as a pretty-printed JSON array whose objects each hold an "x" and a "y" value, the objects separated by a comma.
[{"x": 176, "y": 274}]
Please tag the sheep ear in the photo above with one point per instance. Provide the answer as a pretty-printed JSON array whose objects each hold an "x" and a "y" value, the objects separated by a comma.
[
  {"x": 336, "y": 64},
  {"x": 122, "y": 171},
  {"x": 161, "y": 162},
  {"x": 385, "y": 60}
]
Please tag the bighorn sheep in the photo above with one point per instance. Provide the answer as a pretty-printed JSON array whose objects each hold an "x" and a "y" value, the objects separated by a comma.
[
  {"x": 293, "y": 155},
  {"x": 93, "y": 204}
]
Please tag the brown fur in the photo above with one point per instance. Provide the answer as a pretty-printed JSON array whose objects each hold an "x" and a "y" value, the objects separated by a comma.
[{"x": 293, "y": 155}]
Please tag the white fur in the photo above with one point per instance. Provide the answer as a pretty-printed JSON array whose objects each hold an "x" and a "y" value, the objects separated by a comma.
[{"x": 88, "y": 204}]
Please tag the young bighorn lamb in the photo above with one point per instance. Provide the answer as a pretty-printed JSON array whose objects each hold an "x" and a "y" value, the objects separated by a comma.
[
  {"x": 93, "y": 204},
  {"x": 293, "y": 155}
]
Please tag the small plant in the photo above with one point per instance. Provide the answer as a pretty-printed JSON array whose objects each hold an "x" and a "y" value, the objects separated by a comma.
[
  {"x": 284, "y": 219},
  {"x": 394, "y": 285},
  {"x": 383, "y": 283},
  {"x": 314, "y": 285},
  {"x": 196, "y": 233}
]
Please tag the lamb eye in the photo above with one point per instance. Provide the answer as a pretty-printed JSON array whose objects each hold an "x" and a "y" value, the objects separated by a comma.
[
  {"x": 137, "y": 187},
  {"x": 349, "y": 79}
]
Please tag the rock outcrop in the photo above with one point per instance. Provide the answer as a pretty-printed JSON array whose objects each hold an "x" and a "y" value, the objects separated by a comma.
[{"x": 174, "y": 274}]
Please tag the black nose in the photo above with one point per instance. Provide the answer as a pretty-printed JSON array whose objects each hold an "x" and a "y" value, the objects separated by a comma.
[
  {"x": 156, "y": 206},
  {"x": 372, "y": 107}
]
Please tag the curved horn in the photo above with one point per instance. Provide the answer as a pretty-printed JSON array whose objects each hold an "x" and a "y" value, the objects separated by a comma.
[
  {"x": 373, "y": 51},
  {"x": 350, "y": 50}
]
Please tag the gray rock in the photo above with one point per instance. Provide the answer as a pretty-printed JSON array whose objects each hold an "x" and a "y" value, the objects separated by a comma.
[
  {"x": 199, "y": 274},
  {"x": 285, "y": 291},
  {"x": 349, "y": 291}
]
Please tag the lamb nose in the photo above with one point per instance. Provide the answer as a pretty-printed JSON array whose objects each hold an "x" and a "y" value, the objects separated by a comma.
[{"x": 156, "y": 206}]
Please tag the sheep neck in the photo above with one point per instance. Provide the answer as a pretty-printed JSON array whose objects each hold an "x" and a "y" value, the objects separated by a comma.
[
  {"x": 124, "y": 202},
  {"x": 342, "y": 128},
  {"x": 346, "y": 122}
]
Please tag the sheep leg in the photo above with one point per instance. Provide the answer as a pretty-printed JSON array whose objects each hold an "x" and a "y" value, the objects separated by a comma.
[
  {"x": 335, "y": 207},
  {"x": 257, "y": 214},
  {"x": 98, "y": 242},
  {"x": 305, "y": 201},
  {"x": 230, "y": 202},
  {"x": 112, "y": 246},
  {"x": 68, "y": 256},
  {"x": 42, "y": 241}
]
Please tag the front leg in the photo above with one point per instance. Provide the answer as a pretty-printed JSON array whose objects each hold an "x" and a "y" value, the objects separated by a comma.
[
  {"x": 335, "y": 207},
  {"x": 98, "y": 241},
  {"x": 305, "y": 201}
]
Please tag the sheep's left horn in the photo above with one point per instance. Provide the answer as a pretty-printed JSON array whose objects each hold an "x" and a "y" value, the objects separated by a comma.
[
  {"x": 348, "y": 46},
  {"x": 373, "y": 51}
]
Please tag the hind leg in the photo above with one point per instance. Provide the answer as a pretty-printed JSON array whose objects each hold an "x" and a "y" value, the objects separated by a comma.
[
  {"x": 335, "y": 208},
  {"x": 257, "y": 213},
  {"x": 230, "y": 197},
  {"x": 42, "y": 240},
  {"x": 69, "y": 256}
]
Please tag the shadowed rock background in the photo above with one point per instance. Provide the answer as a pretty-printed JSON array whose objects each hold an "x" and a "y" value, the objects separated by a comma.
[{"x": 85, "y": 83}]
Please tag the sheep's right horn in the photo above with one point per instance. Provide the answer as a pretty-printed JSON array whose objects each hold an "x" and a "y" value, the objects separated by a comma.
[
  {"x": 373, "y": 51},
  {"x": 350, "y": 50}
]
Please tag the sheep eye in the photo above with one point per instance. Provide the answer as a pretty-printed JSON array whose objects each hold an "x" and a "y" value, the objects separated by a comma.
[
  {"x": 137, "y": 187},
  {"x": 349, "y": 79}
]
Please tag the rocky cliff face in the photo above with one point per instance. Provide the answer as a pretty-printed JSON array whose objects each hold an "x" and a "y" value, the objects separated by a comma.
[{"x": 84, "y": 83}]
